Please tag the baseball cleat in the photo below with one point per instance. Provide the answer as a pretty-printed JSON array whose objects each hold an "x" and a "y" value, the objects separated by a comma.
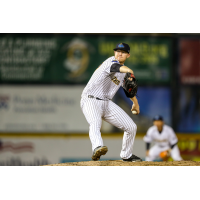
[
  {"x": 133, "y": 158},
  {"x": 98, "y": 152}
]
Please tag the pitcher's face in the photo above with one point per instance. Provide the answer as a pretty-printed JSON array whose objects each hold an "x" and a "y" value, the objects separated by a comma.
[{"x": 121, "y": 56}]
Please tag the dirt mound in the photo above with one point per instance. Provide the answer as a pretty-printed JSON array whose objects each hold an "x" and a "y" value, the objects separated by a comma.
[{"x": 122, "y": 163}]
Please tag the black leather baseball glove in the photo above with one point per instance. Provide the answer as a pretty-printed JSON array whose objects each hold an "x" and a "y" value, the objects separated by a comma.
[{"x": 130, "y": 85}]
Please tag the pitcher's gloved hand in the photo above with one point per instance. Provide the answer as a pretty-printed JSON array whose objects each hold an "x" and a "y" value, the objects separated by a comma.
[{"x": 130, "y": 85}]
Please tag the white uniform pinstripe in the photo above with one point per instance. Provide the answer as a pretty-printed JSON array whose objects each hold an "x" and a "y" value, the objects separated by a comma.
[
  {"x": 163, "y": 142},
  {"x": 104, "y": 84}
]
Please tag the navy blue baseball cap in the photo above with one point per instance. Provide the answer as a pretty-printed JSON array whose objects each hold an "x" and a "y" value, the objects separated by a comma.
[
  {"x": 158, "y": 117},
  {"x": 122, "y": 46}
]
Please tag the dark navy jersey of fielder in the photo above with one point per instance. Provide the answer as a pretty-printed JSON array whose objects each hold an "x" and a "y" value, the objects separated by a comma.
[{"x": 105, "y": 81}]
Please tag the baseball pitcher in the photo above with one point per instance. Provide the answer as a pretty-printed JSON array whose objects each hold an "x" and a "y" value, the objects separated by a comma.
[
  {"x": 97, "y": 105},
  {"x": 165, "y": 139}
]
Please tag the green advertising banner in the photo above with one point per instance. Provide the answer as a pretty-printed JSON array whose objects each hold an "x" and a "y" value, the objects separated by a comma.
[{"x": 71, "y": 59}]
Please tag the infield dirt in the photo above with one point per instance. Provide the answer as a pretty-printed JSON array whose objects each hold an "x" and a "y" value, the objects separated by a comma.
[{"x": 122, "y": 163}]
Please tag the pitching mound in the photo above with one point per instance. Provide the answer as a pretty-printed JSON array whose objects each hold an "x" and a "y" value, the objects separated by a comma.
[{"x": 121, "y": 163}]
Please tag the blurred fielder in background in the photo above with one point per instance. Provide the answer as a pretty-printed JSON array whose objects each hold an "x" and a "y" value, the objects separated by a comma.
[{"x": 165, "y": 139}]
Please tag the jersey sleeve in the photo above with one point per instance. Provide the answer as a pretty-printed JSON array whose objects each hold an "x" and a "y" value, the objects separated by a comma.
[
  {"x": 172, "y": 137},
  {"x": 108, "y": 66},
  {"x": 115, "y": 67},
  {"x": 148, "y": 138}
]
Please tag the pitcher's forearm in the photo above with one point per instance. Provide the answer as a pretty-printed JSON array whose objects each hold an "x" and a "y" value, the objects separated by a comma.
[
  {"x": 134, "y": 100},
  {"x": 125, "y": 69}
]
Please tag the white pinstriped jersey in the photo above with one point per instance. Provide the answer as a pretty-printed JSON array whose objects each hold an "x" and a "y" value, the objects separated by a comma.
[
  {"x": 165, "y": 138},
  {"x": 103, "y": 83}
]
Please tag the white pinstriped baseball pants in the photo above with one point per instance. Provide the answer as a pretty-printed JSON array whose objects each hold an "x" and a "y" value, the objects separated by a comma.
[{"x": 96, "y": 110}]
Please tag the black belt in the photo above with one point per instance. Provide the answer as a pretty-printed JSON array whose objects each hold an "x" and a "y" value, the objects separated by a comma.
[{"x": 90, "y": 96}]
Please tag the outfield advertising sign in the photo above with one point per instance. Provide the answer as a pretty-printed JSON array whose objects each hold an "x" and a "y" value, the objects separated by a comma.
[
  {"x": 35, "y": 150},
  {"x": 72, "y": 59},
  {"x": 55, "y": 109},
  {"x": 189, "y": 61},
  {"x": 41, "y": 109}
]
